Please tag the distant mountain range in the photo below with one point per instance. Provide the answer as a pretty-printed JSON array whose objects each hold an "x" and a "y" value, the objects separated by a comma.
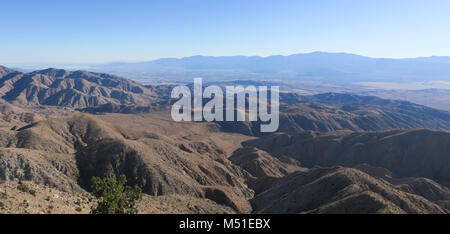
[{"x": 317, "y": 66}]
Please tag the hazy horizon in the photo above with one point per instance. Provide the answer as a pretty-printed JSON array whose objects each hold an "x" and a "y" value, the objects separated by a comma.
[
  {"x": 92, "y": 32},
  {"x": 75, "y": 65}
]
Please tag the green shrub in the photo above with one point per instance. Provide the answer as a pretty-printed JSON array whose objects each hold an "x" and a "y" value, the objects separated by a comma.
[
  {"x": 32, "y": 192},
  {"x": 23, "y": 188},
  {"x": 114, "y": 197}
]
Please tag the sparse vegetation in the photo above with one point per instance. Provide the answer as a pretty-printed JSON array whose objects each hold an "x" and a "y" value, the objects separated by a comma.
[
  {"x": 2, "y": 181},
  {"x": 114, "y": 196},
  {"x": 50, "y": 208},
  {"x": 24, "y": 188},
  {"x": 78, "y": 209},
  {"x": 32, "y": 192},
  {"x": 25, "y": 203}
]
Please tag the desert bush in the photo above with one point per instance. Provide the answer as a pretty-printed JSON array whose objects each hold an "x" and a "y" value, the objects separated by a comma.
[
  {"x": 23, "y": 188},
  {"x": 114, "y": 196}
]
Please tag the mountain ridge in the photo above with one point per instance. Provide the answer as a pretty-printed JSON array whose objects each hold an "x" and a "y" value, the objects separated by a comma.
[
  {"x": 81, "y": 89},
  {"x": 4, "y": 70},
  {"x": 392, "y": 149},
  {"x": 319, "y": 53},
  {"x": 316, "y": 66}
]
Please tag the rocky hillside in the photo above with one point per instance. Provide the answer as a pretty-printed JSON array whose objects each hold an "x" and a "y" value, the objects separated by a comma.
[
  {"x": 103, "y": 93},
  {"x": 334, "y": 112},
  {"x": 78, "y": 89},
  {"x": 65, "y": 153},
  {"x": 32, "y": 198},
  {"x": 338, "y": 190},
  {"x": 329, "y": 155},
  {"x": 260, "y": 164},
  {"x": 5, "y": 70},
  {"x": 407, "y": 153},
  {"x": 194, "y": 168}
]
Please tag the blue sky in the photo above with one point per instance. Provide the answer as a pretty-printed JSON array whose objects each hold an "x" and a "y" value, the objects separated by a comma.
[{"x": 69, "y": 31}]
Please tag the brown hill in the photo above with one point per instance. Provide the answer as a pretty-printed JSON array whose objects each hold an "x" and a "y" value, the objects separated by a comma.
[
  {"x": 336, "y": 112},
  {"x": 424, "y": 187},
  {"x": 5, "y": 70},
  {"x": 407, "y": 153},
  {"x": 184, "y": 167},
  {"x": 338, "y": 190},
  {"x": 72, "y": 88},
  {"x": 49, "y": 200},
  {"x": 13, "y": 116},
  {"x": 91, "y": 147},
  {"x": 260, "y": 164}
]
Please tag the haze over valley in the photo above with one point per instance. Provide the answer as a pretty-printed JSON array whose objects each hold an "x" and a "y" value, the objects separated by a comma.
[{"x": 422, "y": 80}]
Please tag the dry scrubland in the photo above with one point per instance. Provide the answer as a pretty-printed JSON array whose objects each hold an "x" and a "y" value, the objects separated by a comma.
[
  {"x": 334, "y": 153},
  {"x": 195, "y": 168}
]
